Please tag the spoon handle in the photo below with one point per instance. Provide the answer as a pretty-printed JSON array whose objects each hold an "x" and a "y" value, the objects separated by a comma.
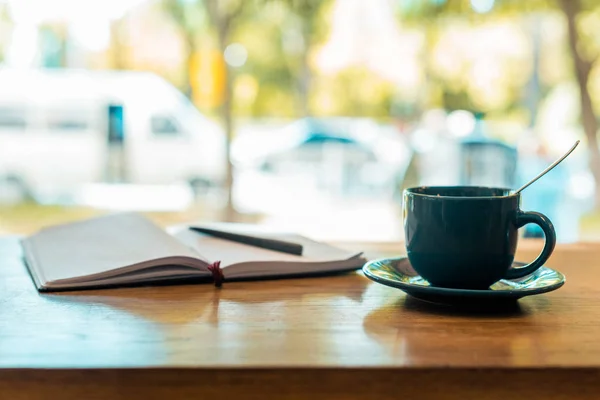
[{"x": 554, "y": 164}]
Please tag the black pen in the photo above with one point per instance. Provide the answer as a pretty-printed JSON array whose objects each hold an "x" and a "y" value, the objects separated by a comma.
[{"x": 265, "y": 243}]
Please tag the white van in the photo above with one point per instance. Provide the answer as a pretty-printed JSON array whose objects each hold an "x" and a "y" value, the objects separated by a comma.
[{"x": 60, "y": 129}]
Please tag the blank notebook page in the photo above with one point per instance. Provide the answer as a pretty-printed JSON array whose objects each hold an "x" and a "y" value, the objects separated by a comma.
[
  {"x": 100, "y": 245},
  {"x": 213, "y": 249}
]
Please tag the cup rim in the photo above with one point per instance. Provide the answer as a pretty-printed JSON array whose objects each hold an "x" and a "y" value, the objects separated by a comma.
[{"x": 411, "y": 191}]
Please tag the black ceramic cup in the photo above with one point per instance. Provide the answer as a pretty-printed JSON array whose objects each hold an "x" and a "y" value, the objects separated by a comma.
[{"x": 465, "y": 237}]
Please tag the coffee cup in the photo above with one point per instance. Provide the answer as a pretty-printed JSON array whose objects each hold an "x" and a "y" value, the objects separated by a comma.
[{"x": 466, "y": 236}]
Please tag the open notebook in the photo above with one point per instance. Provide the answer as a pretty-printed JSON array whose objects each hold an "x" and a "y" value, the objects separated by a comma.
[{"x": 126, "y": 248}]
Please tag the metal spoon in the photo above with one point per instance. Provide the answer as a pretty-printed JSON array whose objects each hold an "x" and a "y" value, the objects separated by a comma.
[{"x": 544, "y": 172}]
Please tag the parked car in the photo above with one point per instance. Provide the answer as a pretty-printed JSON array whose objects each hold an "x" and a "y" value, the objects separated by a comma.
[
  {"x": 60, "y": 129},
  {"x": 311, "y": 157}
]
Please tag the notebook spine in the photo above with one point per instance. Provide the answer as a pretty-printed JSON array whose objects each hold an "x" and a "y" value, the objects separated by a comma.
[{"x": 217, "y": 273}]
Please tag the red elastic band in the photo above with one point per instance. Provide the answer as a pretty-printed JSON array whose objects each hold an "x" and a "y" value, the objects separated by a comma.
[{"x": 217, "y": 273}]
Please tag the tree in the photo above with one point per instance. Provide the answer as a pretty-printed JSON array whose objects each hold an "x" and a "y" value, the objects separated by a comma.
[
  {"x": 187, "y": 16},
  {"x": 583, "y": 67},
  {"x": 223, "y": 14},
  {"x": 582, "y": 64},
  {"x": 117, "y": 44},
  {"x": 306, "y": 11}
]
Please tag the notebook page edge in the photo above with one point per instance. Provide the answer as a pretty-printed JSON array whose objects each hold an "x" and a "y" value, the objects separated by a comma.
[
  {"x": 165, "y": 262},
  {"x": 32, "y": 264},
  {"x": 116, "y": 283},
  {"x": 277, "y": 269}
]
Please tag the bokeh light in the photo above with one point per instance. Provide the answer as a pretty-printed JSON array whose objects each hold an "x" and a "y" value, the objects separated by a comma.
[
  {"x": 461, "y": 123},
  {"x": 236, "y": 55}
]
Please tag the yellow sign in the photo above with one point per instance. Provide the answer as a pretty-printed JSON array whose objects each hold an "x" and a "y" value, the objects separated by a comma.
[{"x": 207, "y": 75}]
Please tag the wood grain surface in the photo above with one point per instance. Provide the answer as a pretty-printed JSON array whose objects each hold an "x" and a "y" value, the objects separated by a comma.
[{"x": 298, "y": 338}]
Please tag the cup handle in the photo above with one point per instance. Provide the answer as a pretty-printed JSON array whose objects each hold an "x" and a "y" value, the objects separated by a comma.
[{"x": 523, "y": 218}]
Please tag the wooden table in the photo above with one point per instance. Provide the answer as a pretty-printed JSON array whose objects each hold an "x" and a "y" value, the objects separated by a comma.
[{"x": 298, "y": 339}]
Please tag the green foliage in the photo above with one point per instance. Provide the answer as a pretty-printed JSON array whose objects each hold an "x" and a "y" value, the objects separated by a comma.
[
  {"x": 282, "y": 36},
  {"x": 353, "y": 92},
  {"x": 189, "y": 15},
  {"x": 278, "y": 38}
]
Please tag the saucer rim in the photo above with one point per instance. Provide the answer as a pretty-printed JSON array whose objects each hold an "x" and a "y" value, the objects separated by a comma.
[{"x": 455, "y": 291}]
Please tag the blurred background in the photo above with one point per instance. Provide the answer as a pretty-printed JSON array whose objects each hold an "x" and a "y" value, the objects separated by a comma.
[{"x": 309, "y": 115}]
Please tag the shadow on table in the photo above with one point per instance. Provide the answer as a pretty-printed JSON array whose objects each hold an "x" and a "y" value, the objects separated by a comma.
[{"x": 475, "y": 310}]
